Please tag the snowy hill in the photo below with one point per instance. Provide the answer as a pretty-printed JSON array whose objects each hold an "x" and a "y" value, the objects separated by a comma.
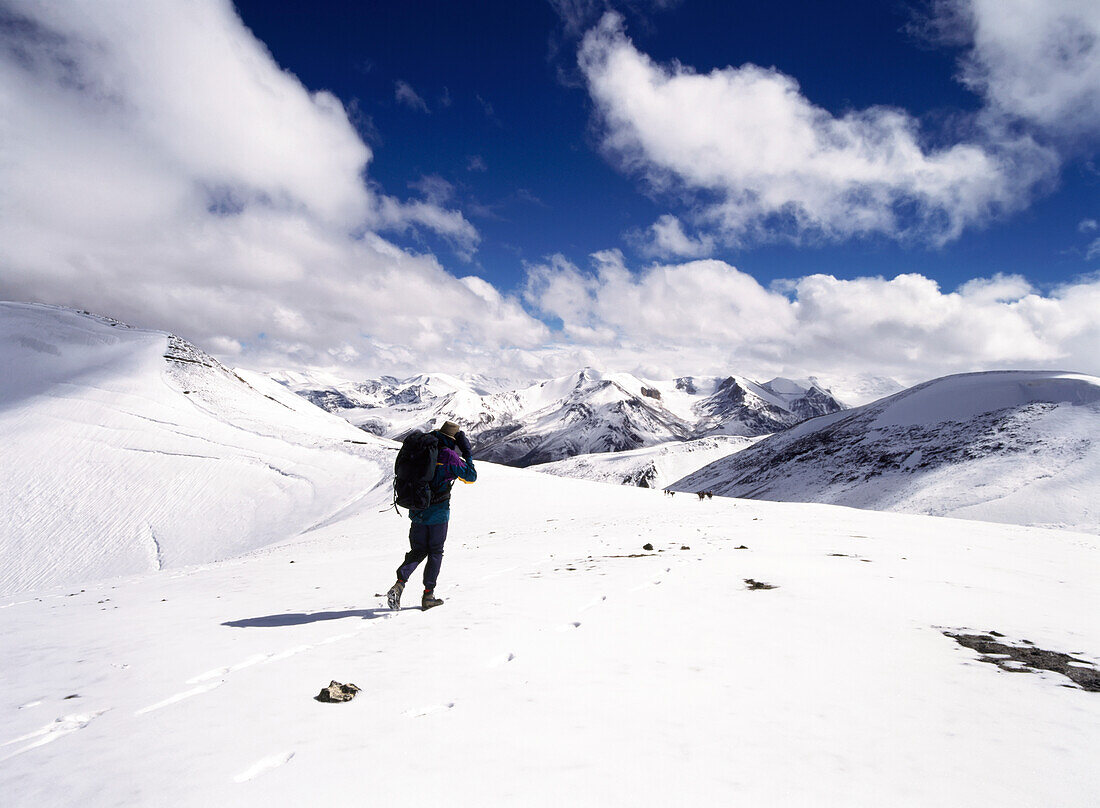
[
  {"x": 1018, "y": 447},
  {"x": 570, "y": 666},
  {"x": 652, "y": 466},
  {"x": 599, "y": 645},
  {"x": 585, "y": 412},
  {"x": 127, "y": 450}
]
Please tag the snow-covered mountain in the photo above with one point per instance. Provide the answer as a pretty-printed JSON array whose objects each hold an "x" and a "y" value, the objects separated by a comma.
[
  {"x": 1019, "y": 447},
  {"x": 127, "y": 450},
  {"x": 651, "y": 466},
  {"x": 585, "y": 412},
  {"x": 660, "y": 646}
]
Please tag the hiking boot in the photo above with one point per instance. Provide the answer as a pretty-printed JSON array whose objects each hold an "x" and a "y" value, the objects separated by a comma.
[
  {"x": 429, "y": 600},
  {"x": 393, "y": 597}
]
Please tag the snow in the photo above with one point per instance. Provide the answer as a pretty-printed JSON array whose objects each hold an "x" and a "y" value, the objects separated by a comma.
[
  {"x": 568, "y": 665},
  {"x": 585, "y": 412},
  {"x": 117, "y": 460},
  {"x": 1007, "y": 446},
  {"x": 562, "y": 671},
  {"x": 651, "y": 466},
  {"x": 965, "y": 396}
]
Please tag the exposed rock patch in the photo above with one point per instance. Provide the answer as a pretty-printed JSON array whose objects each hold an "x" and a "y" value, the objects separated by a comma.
[
  {"x": 337, "y": 692},
  {"x": 1026, "y": 658}
]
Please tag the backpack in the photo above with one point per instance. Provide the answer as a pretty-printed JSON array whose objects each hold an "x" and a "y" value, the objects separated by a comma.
[{"x": 413, "y": 470}]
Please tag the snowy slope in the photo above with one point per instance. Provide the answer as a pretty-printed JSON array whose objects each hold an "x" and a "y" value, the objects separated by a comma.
[
  {"x": 569, "y": 666},
  {"x": 649, "y": 467},
  {"x": 585, "y": 412},
  {"x": 128, "y": 450},
  {"x": 1018, "y": 447}
]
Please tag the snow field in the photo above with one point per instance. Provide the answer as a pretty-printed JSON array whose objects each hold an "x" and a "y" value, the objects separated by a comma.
[
  {"x": 118, "y": 460},
  {"x": 563, "y": 671}
]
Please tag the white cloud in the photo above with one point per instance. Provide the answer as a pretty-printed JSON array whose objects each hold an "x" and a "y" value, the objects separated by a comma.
[
  {"x": 1038, "y": 61},
  {"x": 666, "y": 238},
  {"x": 1093, "y": 250},
  {"x": 770, "y": 164},
  {"x": 406, "y": 95},
  {"x": 158, "y": 166},
  {"x": 709, "y": 317},
  {"x": 1087, "y": 225}
]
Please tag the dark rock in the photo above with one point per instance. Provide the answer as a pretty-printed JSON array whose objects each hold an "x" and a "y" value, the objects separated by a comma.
[
  {"x": 336, "y": 692},
  {"x": 759, "y": 584},
  {"x": 647, "y": 546},
  {"x": 1030, "y": 659},
  {"x": 684, "y": 547},
  {"x": 687, "y": 384}
]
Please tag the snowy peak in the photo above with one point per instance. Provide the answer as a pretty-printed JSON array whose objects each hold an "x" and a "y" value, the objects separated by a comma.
[
  {"x": 583, "y": 412},
  {"x": 739, "y": 406},
  {"x": 1012, "y": 446}
]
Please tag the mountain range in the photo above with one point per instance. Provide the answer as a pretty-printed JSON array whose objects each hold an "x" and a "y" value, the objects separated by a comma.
[
  {"x": 1005, "y": 446},
  {"x": 582, "y": 413}
]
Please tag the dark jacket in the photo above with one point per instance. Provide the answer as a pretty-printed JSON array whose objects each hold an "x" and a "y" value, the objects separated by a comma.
[{"x": 450, "y": 466}]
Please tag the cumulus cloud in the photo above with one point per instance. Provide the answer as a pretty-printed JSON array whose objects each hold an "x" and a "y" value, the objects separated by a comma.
[
  {"x": 666, "y": 238},
  {"x": 406, "y": 95},
  {"x": 158, "y": 166},
  {"x": 1036, "y": 61},
  {"x": 710, "y": 317},
  {"x": 771, "y": 164}
]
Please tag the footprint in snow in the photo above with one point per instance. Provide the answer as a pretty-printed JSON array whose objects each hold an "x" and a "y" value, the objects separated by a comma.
[
  {"x": 503, "y": 659},
  {"x": 338, "y": 637},
  {"x": 186, "y": 694},
  {"x": 263, "y": 766},
  {"x": 51, "y": 732},
  {"x": 419, "y": 712},
  {"x": 596, "y": 602},
  {"x": 219, "y": 672}
]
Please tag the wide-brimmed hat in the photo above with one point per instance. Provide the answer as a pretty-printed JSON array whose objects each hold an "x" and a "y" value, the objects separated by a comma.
[{"x": 450, "y": 428}]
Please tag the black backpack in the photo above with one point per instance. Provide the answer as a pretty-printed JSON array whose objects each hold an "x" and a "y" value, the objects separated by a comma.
[{"x": 413, "y": 470}]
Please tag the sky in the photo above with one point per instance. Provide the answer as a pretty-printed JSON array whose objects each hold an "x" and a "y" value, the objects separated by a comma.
[{"x": 847, "y": 190}]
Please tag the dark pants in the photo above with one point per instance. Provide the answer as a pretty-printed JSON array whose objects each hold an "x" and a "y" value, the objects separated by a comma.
[{"x": 425, "y": 541}]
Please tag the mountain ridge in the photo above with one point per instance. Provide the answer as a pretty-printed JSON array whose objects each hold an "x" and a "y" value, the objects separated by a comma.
[
  {"x": 584, "y": 412},
  {"x": 1007, "y": 446}
]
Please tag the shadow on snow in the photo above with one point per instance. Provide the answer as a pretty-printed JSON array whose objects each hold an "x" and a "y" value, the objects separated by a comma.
[{"x": 301, "y": 618}]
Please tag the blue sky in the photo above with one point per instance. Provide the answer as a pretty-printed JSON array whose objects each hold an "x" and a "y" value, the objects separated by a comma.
[
  {"x": 849, "y": 190},
  {"x": 501, "y": 88}
]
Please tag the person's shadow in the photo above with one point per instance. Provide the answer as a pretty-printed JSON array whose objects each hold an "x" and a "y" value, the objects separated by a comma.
[{"x": 301, "y": 618}]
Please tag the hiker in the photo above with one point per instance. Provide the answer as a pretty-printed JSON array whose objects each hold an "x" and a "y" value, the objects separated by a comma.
[{"x": 428, "y": 530}]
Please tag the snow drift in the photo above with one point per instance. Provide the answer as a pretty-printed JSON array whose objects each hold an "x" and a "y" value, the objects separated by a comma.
[
  {"x": 1003, "y": 446},
  {"x": 128, "y": 450}
]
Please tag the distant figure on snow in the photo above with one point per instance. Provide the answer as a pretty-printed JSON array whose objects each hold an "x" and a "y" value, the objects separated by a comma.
[{"x": 428, "y": 530}]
